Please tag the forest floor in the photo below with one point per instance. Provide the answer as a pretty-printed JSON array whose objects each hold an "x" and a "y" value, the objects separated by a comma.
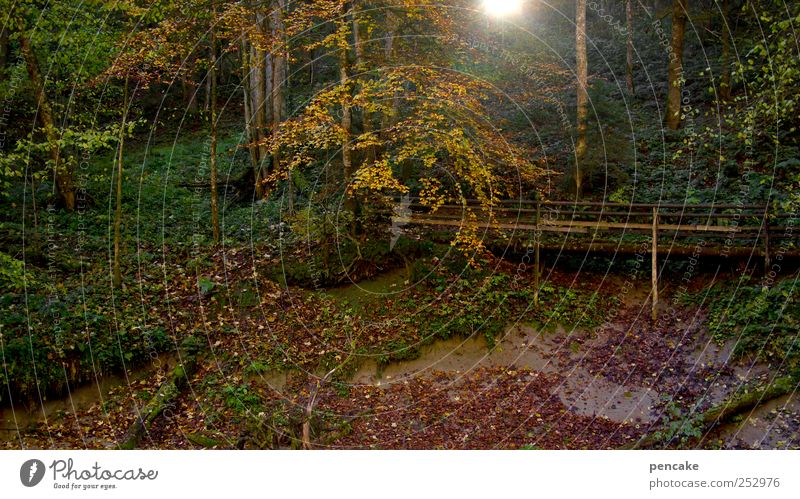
[{"x": 542, "y": 380}]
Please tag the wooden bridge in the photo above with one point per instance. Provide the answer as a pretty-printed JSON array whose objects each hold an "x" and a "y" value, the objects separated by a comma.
[{"x": 744, "y": 230}]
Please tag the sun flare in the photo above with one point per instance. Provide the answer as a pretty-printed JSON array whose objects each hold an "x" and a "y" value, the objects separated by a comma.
[{"x": 502, "y": 8}]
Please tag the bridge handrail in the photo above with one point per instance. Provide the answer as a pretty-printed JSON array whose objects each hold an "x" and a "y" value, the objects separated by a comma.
[{"x": 543, "y": 202}]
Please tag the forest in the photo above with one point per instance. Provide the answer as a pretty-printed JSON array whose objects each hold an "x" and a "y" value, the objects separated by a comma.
[{"x": 399, "y": 224}]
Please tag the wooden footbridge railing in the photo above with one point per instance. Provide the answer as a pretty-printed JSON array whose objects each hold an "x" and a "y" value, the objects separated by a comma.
[{"x": 687, "y": 229}]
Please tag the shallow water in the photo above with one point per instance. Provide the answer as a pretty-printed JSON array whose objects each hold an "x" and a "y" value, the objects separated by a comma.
[
  {"x": 22, "y": 417},
  {"x": 772, "y": 425},
  {"x": 522, "y": 347},
  {"x": 389, "y": 285}
]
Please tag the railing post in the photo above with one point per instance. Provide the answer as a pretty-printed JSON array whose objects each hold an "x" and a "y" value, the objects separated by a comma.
[
  {"x": 537, "y": 236},
  {"x": 766, "y": 238},
  {"x": 654, "y": 262}
]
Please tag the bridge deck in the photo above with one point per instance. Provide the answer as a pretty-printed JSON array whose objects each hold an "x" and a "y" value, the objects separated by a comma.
[{"x": 737, "y": 228}]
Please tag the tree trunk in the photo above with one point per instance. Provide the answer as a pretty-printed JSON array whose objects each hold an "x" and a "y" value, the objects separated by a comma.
[
  {"x": 3, "y": 49},
  {"x": 117, "y": 279},
  {"x": 212, "y": 154},
  {"x": 188, "y": 89},
  {"x": 207, "y": 100},
  {"x": 392, "y": 25},
  {"x": 347, "y": 122},
  {"x": 259, "y": 112},
  {"x": 583, "y": 96},
  {"x": 347, "y": 117},
  {"x": 278, "y": 86},
  {"x": 311, "y": 66},
  {"x": 248, "y": 112},
  {"x": 65, "y": 186},
  {"x": 258, "y": 68},
  {"x": 675, "y": 67},
  {"x": 629, "y": 44},
  {"x": 725, "y": 80},
  {"x": 361, "y": 67},
  {"x": 260, "y": 101}
]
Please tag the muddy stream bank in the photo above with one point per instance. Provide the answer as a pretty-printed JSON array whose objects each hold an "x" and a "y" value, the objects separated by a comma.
[
  {"x": 18, "y": 418},
  {"x": 622, "y": 372}
]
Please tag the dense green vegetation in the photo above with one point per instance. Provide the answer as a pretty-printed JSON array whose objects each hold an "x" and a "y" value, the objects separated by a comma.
[
  {"x": 760, "y": 319},
  {"x": 229, "y": 171}
]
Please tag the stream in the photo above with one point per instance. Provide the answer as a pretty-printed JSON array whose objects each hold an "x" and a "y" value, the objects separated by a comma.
[
  {"x": 521, "y": 347},
  {"x": 22, "y": 417},
  {"x": 385, "y": 286}
]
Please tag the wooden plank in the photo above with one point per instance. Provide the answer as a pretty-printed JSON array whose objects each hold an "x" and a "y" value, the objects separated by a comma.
[
  {"x": 683, "y": 227},
  {"x": 665, "y": 250},
  {"x": 603, "y": 213},
  {"x": 642, "y": 211},
  {"x": 538, "y": 236},
  {"x": 647, "y": 206},
  {"x": 654, "y": 263},
  {"x": 485, "y": 225},
  {"x": 766, "y": 239},
  {"x": 507, "y": 224},
  {"x": 579, "y": 227}
]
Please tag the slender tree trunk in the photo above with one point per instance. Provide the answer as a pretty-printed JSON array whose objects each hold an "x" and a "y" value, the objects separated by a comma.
[
  {"x": 388, "y": 119},
  {"x": 391, "y": 32},
  {"x": 629, "y": 44},
  {"x": 117, "y": 278},
  {"x": 65, "y": 186},
  {"x": 212, "y": 154},
  {"x": 361, "y": 66},
  {"x": 347, "y": 121},
  {"x": 262, "y": 103},
  {"x": 207, "y": 100},
  {"x": 347, "y": 115},
  {"x": 3, "y": 49},
  {"x": 188, "y": 88},
  {"x": 675, "y": 66},
  {"x": 267, "y": 94},
  {"x": 33, "y": 200},
  {"x": 248, "y": 113},
  {"x": 278, "y": 86},
  {"x": 725, "y": 80},
  {"x": 583, "y": 96},
  {"x": 259, "y": 113},
  {"x": 311, "y": 67}
]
